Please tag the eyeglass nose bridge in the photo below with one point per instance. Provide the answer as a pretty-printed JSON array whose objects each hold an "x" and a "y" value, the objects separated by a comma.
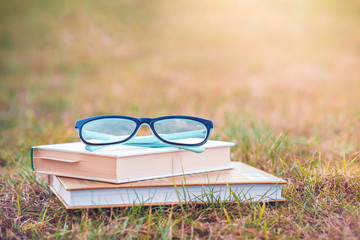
[{"x": 145, "y": 120}]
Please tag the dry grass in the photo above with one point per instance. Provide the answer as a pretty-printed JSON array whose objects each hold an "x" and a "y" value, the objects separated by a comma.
[{"x": 281, "y": 79}]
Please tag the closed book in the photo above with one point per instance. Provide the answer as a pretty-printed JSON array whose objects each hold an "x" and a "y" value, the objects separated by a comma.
[
  {"x": 241, "y": 183},
  {"x": 121, "y": 163}
]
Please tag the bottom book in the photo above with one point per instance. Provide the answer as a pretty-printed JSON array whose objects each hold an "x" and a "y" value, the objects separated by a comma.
[{"x": 241, "y": 183}]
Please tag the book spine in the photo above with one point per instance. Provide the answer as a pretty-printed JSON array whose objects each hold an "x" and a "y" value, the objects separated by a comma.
[{"x": 32, "y": 158}]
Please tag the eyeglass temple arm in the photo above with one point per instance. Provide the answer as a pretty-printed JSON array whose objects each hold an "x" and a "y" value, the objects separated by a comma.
[
  {"x": 196, "y": 149},
  {"x": 143, "y": 139},
  {"x": 148, "y": 141}
]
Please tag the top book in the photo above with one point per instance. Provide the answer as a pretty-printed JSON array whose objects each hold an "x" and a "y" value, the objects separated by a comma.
[{"x": 121, "y": 163}]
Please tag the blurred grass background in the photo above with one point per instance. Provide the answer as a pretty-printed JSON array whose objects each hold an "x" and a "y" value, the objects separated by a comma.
[
  {"x": 293, "y": 66},
  {"x": 281, "y": 79}
]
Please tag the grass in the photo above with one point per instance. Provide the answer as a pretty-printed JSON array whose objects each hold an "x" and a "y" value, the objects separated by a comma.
[{"x": 281, "y": 80}]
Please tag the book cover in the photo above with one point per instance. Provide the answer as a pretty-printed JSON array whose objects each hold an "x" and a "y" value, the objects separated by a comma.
[
  {"x": 242, "y": 182},
  {"x": 121, "y": 163}
]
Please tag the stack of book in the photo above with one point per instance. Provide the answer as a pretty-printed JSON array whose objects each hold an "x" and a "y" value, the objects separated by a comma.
[{"x": 123, "y": 175}]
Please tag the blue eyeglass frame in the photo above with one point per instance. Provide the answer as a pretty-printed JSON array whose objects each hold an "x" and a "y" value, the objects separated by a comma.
[{"x": 148, "y": 121}]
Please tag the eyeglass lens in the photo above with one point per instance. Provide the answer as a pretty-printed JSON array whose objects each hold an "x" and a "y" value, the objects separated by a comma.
[
  {"x": 183, "y": 131},
  {"x": 108, "y": 130}
]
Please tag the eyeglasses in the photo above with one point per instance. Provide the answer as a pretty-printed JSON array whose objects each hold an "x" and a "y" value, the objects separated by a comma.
[{"x": 185, "y": 132}]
